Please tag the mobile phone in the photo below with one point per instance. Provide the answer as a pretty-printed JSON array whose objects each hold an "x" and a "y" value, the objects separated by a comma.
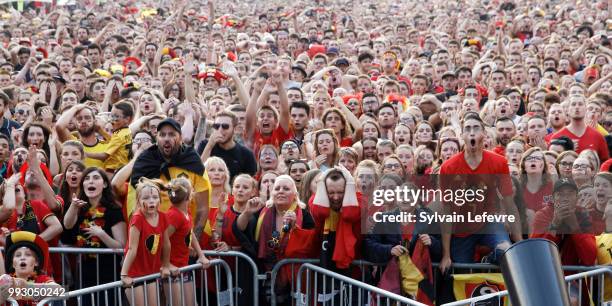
[{"x": 264, "y": 75}]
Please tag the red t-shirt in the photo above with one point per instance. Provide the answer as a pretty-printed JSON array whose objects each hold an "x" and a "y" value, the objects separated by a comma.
[
  {"x": 605, "y": 167},
  {"x": 500, "y": 150},
  {"x": 150, "y": 244},
  {"x": 491, "y": 175},
  {"x": 33, "y": 218},
  {"x": 591, "y": 139},
  {"x": 539, "y": 199},
  {"x": 277, "y": 137},
  {"x": 181, "y": 239},
  {"x": 227, "y": 235},
  {"x": 575, "y": 249},
  {"x": 346, "y": 142}
]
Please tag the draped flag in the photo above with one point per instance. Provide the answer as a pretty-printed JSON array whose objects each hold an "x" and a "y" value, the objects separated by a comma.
[{"x": 467, "y": 286}]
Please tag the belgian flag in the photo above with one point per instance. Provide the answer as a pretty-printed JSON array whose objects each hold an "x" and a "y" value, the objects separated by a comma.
[{"x": 417, "y": 274}]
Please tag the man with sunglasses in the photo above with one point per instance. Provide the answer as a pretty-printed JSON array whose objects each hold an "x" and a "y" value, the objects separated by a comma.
[{"x": 238, "y": 158}]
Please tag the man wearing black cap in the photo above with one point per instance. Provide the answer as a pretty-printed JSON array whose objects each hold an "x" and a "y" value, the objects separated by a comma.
[
  {"x": 169, "y": 159},
  {"x": 567, "y": 225}
]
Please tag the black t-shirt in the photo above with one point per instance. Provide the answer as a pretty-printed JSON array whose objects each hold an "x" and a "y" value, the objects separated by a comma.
[{"x": 238, "y": 159}]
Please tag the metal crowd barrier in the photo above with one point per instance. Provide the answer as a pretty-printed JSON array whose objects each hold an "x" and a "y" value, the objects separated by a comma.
[
  {"x": 599, "y": 273},
  {"x": 11, "y": 302},
  {"x": 252, "y": 265},
  {"x": 292, "y": 262},
  {"x": 73, "y": 258},
  {"x": 112, "y": 293},
  {"x": 342, "y": 290}
]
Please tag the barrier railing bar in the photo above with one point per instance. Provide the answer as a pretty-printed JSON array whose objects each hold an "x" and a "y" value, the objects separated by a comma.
[
  {"x": 356, "y": 283},
  {"x": 144, "y": 279}
]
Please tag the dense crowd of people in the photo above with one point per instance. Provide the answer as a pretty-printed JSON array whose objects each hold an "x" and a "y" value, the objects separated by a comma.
[{"x": 170, "y": 127}]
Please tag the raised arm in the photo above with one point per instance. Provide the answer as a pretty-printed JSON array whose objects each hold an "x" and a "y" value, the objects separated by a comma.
[
  {"x": 284, "y": 101},
  {"x": 595, "y": 86},
  {"x": 8, "y": 201},
  {"x": 48, "y": 193},
  {"x": 230, "y": 70},
  {"x": 251, "y": 110},
  {"x": 189, "y": 68},
  {"x": 350, "y": 117}
]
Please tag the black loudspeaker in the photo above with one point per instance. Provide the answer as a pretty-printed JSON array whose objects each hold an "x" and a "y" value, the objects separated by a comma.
[{"x": 533, "y": 275}]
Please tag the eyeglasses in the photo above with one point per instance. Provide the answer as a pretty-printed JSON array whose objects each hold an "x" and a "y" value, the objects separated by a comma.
[
  {"x": 534, "y": 158},
  {"x": 21, "y": 112},
  {"x": 392, "y": 166},
  {"x": 141, "y": 140},
  {"x": 225, "y": 126},
  {"x": 566, "y": 164},
  {"x": 581, "y": 167}
]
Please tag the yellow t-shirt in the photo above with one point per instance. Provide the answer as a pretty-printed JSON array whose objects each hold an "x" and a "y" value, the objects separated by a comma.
[
  {"x": 604, "y": 258},
  {"x": 200, "y": 183},
  {"x": 602, "y": 130},
  {"x": 99, "y": 147},
  {"x": 118, "y": 148}
]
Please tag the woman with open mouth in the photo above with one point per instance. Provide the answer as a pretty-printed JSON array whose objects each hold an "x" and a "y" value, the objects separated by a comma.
[
  {"x": 535, "y": 181},
  {"x": 148, "y": 104},
  {"x": 94, "y": 219},
  {"x": 326, "y": 149},
  {"x": 603, "y": 195},
  {"x": 71, "y": 178}
]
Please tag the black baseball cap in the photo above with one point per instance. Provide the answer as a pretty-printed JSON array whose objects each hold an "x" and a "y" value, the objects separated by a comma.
[
  {"x": 171, "y": 122},
  {"x": 564, "y": 182}
]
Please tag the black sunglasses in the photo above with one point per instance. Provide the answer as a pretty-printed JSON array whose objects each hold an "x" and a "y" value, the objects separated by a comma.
[{"x": 225, "y": 126}]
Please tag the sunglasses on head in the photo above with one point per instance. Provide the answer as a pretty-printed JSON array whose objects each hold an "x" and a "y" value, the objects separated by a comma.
[{"x": 225, "y": 126}]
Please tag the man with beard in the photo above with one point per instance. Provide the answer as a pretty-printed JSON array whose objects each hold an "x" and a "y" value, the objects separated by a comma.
[
  {"x": 505, "y": 131},
  {"x": 238, "y": 158},
  {"x": 476, "y": 169},
  {"x": 584, "y": 136},
  {"x": 336, "y": 211},
  {"x": 168, "y": 159},
  {"x": 88, "y": 130}
]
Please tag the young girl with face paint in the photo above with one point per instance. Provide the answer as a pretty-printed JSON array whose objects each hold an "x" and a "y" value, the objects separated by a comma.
[{"x": 148, "y": 248}]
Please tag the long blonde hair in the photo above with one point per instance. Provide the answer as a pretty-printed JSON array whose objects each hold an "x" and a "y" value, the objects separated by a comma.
[{"x": 216, "y": 160}]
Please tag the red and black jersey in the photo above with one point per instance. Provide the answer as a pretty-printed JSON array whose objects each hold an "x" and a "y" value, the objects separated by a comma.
[
  {"x": 150, "y": 244},
  {"x": 181, "y": 239}
]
